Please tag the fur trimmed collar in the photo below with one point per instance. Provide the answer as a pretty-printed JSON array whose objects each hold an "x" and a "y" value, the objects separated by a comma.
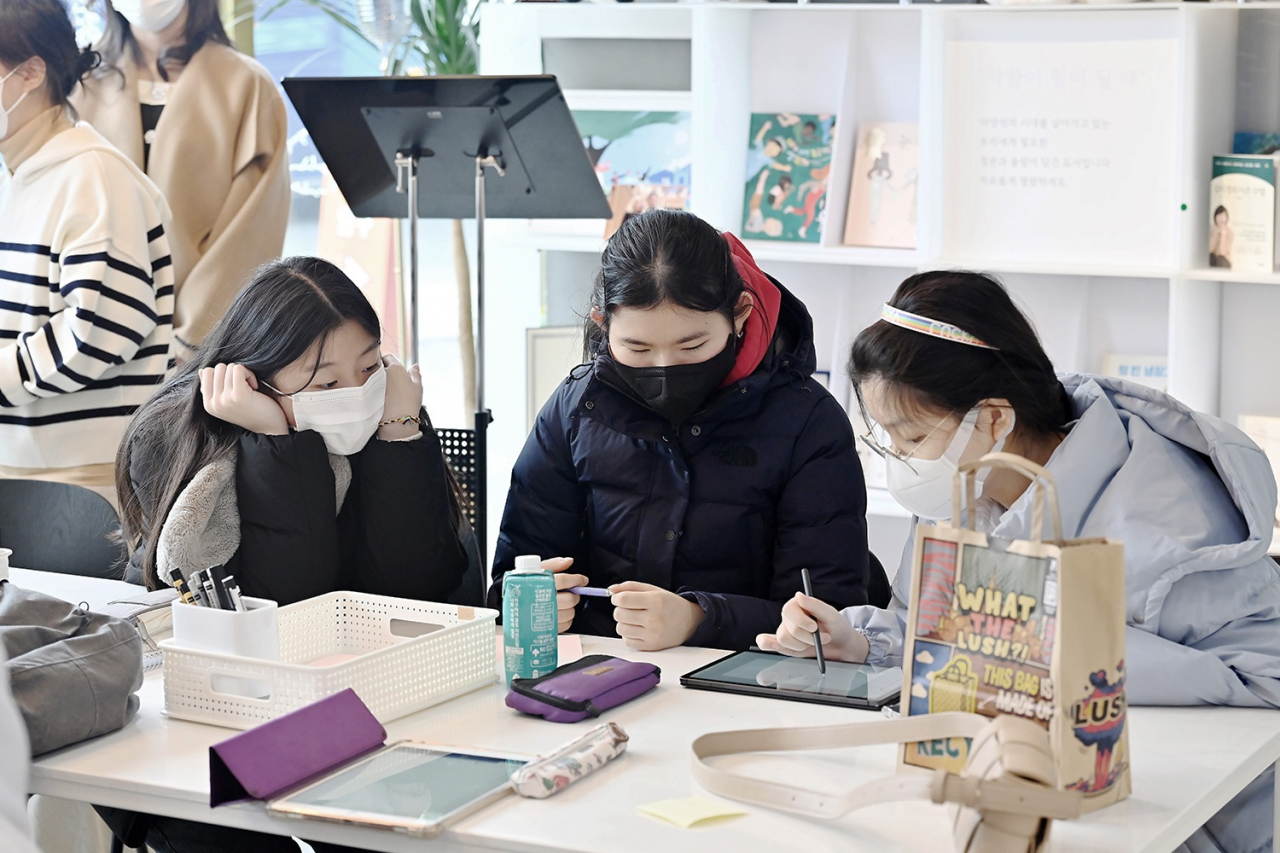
[{"x": 203, "y": 527}]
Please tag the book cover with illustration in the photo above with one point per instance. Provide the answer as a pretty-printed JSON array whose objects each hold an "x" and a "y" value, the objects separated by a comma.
[
  {"x": 788, "y": 167},
  {"x": 1242, "y": 212},
  {"x": 628, "y": 200},
  {"x": 883, "y": 194},
  {"x": 1256, "y": 143},
  {"x": 637, "y": 147},
  {"x": 642, "y": 157}
]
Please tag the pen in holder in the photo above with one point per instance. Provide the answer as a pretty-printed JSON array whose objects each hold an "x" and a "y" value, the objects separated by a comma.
[{"x": 251, "y": 633}]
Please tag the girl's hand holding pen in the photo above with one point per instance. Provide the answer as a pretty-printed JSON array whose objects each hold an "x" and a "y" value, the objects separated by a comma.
[
  {"x": 566, "y": 601},
  {"x": 803, "y": 615}
]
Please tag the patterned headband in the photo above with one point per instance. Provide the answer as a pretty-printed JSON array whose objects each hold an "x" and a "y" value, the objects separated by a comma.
[{"x": 925, "y": 326}]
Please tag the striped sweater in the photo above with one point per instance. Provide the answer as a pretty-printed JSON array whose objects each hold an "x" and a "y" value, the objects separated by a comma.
[{"x": 86, "y": 301}]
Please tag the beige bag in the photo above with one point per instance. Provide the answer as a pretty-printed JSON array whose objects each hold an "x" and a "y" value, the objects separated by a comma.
[
  {"x": 1031, "y": 628},
  {"x": 1002, "y": 800}
]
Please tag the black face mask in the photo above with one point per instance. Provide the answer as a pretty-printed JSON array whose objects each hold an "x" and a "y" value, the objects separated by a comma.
[{"x": 677, "y": 391}]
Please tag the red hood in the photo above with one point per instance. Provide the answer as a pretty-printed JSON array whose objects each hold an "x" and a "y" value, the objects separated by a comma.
[{"x": 763, "y": 321}]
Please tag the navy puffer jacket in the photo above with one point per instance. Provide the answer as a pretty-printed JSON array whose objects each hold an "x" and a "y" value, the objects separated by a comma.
[{"x": 726, "y": 510}]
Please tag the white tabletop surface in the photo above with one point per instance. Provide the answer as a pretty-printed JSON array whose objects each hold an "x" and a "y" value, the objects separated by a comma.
[
  {"x": 93, "y": 591},
  {"x": 1187, "y": 763}
]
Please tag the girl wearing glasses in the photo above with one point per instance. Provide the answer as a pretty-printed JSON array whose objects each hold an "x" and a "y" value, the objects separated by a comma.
[{"x": 952, "y": 371}]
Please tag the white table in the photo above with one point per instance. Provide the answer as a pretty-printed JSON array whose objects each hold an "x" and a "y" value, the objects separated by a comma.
[
  {"x": 1188, "y": 762},
  {"x": 93, "y": 591}
]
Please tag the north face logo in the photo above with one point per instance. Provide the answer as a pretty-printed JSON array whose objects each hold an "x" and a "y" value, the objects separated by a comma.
[{"x": 738, "y": 457}]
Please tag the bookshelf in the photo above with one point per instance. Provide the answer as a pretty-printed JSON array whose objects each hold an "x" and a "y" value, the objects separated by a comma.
[{"x": 1213, "y": 68}]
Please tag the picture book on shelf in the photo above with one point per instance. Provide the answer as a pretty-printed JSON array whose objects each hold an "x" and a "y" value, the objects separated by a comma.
[
  {"x": 883, "y": 195},
  {"x": 1256, "y": 143},
  {"x": 643, "y": 159},
  {"x": 628, "y": 200},
  {"x": 1242, "y": 212},
  {"x": 637, "y": 147},
  {"x": 788, "y": 167}
]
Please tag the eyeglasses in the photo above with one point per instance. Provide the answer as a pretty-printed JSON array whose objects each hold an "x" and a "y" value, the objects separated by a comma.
[{"x": 877, "y": 439}]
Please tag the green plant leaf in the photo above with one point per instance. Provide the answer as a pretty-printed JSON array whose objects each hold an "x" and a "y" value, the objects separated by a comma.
[
  {"x": 266, "y": 10},
  {"x": 445, "y": 39},
  {"x": 448, "y": 33},
  {"x": 343, "y": 14}
]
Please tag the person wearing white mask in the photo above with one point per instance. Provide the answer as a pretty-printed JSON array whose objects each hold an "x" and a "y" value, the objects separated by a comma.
[
  {"x": 86, "y": 291},
  {"x": 291, "y": 451},
  {"x": 952, "y": 371},
  {"x": 209, "y": 126}
]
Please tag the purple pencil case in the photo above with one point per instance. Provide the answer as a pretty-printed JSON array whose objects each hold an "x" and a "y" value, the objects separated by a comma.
[{"x": 583, "y": 688}]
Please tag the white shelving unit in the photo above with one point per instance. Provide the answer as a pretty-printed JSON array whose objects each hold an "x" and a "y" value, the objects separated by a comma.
[{"x": 1146, "y": 292}]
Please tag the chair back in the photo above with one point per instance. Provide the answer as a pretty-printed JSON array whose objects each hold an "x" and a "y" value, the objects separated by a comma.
[
  {"x": 58, "y": 527},
  {"x": 459, "y": 448}
]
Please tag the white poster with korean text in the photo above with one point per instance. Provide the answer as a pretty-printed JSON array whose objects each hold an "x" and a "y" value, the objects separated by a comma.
[{"x": 1061, "y": 151}]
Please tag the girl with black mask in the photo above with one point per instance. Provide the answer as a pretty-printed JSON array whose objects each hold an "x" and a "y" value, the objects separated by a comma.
[{"x": 693, "y": 466}]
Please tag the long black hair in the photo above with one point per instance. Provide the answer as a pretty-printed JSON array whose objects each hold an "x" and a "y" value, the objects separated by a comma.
[
  {"x": 203, "y": 25},
  {"x": 287, "y": 307},
  {"x": 30, "y": 28},
  {"x": 663, "y": 256},
  {"x": 925, "y": 373}
]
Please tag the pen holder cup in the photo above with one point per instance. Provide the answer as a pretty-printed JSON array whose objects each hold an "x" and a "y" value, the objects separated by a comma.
[{"x": 252, "y": 633}]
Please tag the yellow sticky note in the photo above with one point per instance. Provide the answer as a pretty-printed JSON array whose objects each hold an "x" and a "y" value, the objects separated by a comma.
[{"x": 690, "y": 811}]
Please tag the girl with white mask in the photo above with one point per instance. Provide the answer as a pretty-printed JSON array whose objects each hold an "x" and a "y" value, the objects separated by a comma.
[
  {"x": 290, "y": 408},
  {"x": 952, "y": 371},
  {"x": 208, "y": 125},
  {"x": 292, "y": 451}
]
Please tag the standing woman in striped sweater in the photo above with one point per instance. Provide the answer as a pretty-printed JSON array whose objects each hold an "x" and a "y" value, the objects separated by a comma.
[
  {"x": 86, "y": 286},
  {"x": 208, "y": 125}
]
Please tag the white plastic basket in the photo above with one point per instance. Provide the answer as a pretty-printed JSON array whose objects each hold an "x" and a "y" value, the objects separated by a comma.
[{"x": 393, "y": 670}]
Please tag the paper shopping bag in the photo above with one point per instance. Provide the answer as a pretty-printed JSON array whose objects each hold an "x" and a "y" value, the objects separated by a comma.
[{"x": 1031, "y": 628}]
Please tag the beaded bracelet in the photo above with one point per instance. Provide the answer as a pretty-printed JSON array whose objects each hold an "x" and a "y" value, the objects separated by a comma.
[{"x": 416, "y": 421}]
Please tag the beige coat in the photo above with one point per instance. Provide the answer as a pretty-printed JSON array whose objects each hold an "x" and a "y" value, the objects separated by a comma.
[{"x": 220, "y": 158}]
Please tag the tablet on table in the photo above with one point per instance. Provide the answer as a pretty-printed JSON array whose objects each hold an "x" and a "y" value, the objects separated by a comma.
[
  {"x": 409, "y": 787},
  {"x": 757, "y": 673}
]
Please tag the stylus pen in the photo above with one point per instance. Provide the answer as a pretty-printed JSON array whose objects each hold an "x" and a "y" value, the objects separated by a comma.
[
  {"x": 589, "y": 591},
  {"x": 817, "y": 635}
]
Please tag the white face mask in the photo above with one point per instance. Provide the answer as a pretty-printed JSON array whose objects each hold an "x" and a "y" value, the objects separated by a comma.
[
  {"x": 923, "y": 486},
  {"x": 150, "y": 15},
  {"x": 4, "y": 111},
  {"x": 346, "y": 418}
]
